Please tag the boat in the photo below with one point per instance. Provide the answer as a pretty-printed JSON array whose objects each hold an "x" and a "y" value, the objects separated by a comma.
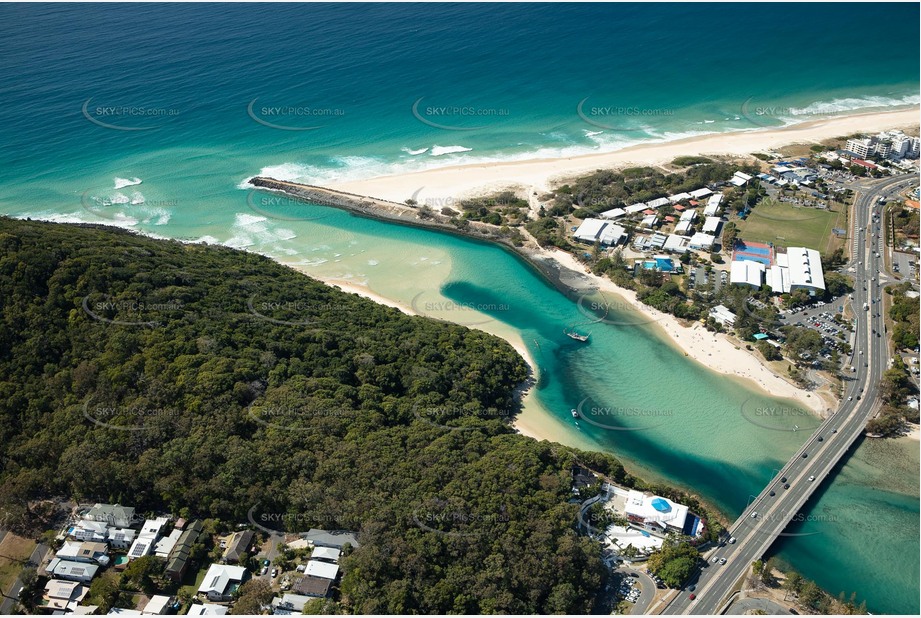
[
  {"x": 574, "y": 412},
  {"x": 574, "y": 335}
]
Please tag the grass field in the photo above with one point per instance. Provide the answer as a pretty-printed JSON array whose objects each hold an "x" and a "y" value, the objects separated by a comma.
[
  {"x": 13, "y": 549},
  {"x": 788, "y": 225}
]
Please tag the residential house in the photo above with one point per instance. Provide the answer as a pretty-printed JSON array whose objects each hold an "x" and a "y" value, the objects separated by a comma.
[
  {"x": 221, "y": 581},
  {"x": 178, "y": 560},
  {"x": 237, "y": 546},
  {"x": 114, "y": 515}
]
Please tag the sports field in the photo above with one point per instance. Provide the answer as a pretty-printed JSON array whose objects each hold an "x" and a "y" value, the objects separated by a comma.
[{"x": 788, "y": 225}]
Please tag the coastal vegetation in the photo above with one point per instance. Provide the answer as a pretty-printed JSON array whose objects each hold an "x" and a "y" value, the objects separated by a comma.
[
  {"x": 674, "y": 562},
  {"x": 804, "y": 593},
  {"x": 207, "y": 381}
]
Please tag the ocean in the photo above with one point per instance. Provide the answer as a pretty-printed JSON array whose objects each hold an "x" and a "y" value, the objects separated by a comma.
[{"x": 151, "y": 117}]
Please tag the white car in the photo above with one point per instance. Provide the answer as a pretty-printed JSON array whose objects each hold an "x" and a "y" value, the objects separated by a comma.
[
  {"x": 754, "y": 514},
  {"x": 811, "y": 478}
]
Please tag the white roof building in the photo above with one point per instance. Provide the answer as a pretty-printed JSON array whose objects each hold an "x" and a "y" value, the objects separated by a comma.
[
  {"x": 655, "y": 511},
  {"x": 289, "y": 604},
  {"x": 676, "y": 244},
  {"x": 614, "y": 213},
  {"x": 658, "y": 202},
  {"x": 326, "y": 553},
  {"x": 683, "y": 227},
  {"x": 82, "y": 572},
  {"x": 778, "y": 277},
  {"x": 713, "y": 205},
  {"x": 206, "y": 609},
  {"x": 158, "y": 605},
  {"x": 678, "y": 197},
  {"x": 699, "y": 193},
  {"x": 739, "y": 178},
  {"x": 805, "y": 266},
  {"x": 322, "y": 569},
  {"x": 164, "y": 546},
  {"x": 689, "y": 215},
  {"x": 638, "y": 207},
  {"x": 745, "y": 272},
  {"x": 723, "y": 315},
  {"x": 701, "y": 241},
  {"x": 711, "y": 225},
  {"x": 121, "y": 537},
  {"x": 649, "y": 221},
  {"x": 219, "y": 578},
  {"x": 90, "y": 531},
  {"x": 600, "y": 231}
]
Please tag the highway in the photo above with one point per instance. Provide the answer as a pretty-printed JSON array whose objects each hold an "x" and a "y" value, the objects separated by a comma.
[{"x": 767, "y": 516}]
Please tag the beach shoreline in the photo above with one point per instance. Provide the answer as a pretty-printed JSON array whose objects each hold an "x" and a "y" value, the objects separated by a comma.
[
  {"x": 384, "y": 197},
  {"x": 442, "y": 184}
]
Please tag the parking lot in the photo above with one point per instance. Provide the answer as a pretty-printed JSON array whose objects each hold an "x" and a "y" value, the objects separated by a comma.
[{"x": 905, "y": 264}]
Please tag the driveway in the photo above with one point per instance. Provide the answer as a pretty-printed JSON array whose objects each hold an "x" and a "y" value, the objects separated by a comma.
[{"x": 647, "y": 587}]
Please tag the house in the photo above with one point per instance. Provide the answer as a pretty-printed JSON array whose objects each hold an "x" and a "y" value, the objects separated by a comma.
[
  {"x": 334, "y": 538},
  {"x": 147, "y": 537},
  {"x": 712, "y": 225},
  {"x": 93, "y": 531},
  {"x": 701, "y": 241},
  {"x": 614, "y": 213},
  {"x": 158, "y": 605},
  {"x": 237, "y": 546},
  {"x": 655, "y": 513},
  {"x": 82, "y": 572},
  {"x": 678, "y": 197},
  {"x": 289, "y": 604},
  {"x": 683, "y": 227},
  {"x": 111, "y": 514},
  {"x": 84, "y": 551},
  {"x": 739, "y": 178},
  {"x": 723, "y": 315},
  {"x": 313, "y": 586},
  {"x": 325, "y": 553},
  {"x": 658, "y": 203},
  {"x": 649, "y": 221},
  {"x": 600, "y": 231},
  {"x": 325, "y": 570},
  {"x": 164, "y": 547},
  {"x": 676, "y": 244},
  {"x": 221, "y": 581},
  {"x": 689, "y": 215},
  {"x": 121, "y": 538},
  {"x": 635, "y": 208},
  {"x": 63, "y": 595},
  {"x": 207, "y": 609},
  {"x": 178, "y": 560},
  {"x": 701, "y": 193}
]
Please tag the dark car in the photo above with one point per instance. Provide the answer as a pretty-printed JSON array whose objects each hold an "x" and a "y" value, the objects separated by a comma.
[
  {"x": 692, "y": 587},
  {"x": 772, "y": 494},
  {"x": 783, "y": 479},
  {"x": 821, "y": 439},
  {"x": 786, "y": 486},
  {"x": 805, "y": 455}
]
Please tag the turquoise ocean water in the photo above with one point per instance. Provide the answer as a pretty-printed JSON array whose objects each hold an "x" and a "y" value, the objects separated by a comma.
[{"x": 189, "y": 94}]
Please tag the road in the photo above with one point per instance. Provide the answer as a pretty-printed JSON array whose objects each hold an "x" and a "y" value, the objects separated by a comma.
[
  {"x": 767, "y": 516},
  {"x": 7, "y": 602}
]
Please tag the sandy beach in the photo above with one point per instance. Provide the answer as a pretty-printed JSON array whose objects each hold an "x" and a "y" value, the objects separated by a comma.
[
  {"x": 715, "y": 351},
  {"x": 442, "y": 184}
]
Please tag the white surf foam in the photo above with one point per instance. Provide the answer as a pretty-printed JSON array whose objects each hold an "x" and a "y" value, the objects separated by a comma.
[
  {"x": 438, "y": 151},
  {"x": 414, "y": 153},
  {"x": 121, "y": 183}
]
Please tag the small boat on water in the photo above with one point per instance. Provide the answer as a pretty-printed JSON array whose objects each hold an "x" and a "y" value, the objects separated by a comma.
[
  {"x": 574, "y": 412},
  {"x": 574, "y": 335}
]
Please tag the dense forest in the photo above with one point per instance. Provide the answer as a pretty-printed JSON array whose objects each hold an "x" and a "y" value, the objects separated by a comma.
[{"x": 217, "y": 383}]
